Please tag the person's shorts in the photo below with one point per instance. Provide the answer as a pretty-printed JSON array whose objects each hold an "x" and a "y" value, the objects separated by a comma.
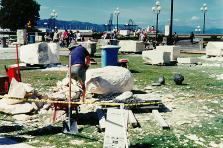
[{"x": 78, "y": 73}]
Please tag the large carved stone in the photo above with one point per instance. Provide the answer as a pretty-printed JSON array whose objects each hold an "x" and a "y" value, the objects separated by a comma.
[
  {"x": 39, "y": 53},
  {"x": 109, "y": 80}
]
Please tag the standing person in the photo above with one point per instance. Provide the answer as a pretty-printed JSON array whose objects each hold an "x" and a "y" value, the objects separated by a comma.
[
  {"x": 71, "y": 36},
  {"x": 56, "y": 36},
  {"x": 47, "y": 37},
  {"x": 80, "y": 61},
  {"x": 192, "y": 37},
  {"x": 78, "y": 37},
  {"x": 141, "y": 36},
  {"x": 175, "y": 38},
  {"x": 144, "y": 36},
  {"x": 66, "y": 38},
  {"x": 114, "y": 35}
]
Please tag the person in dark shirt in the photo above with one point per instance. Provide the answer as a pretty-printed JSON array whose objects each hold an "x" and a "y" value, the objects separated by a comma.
[
  {"x": 192, "y": 37},
  {"x": 80, "y": 61}
]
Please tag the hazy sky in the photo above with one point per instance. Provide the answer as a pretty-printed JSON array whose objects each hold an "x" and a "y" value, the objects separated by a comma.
[{"x": 186, "y": 12}]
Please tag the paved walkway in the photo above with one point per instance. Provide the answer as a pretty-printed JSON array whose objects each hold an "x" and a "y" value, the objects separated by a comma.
[
  {"x": 10, "y": 53},
  {"x": 8, "y": 143},
  {"x": 7, "y": 53}
]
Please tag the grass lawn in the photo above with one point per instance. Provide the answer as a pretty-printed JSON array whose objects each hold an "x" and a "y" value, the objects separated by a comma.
[{"x": 198, "y": 84}]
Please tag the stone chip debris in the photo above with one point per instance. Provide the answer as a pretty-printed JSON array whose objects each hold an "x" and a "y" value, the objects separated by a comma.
[{"x": 61, "y": 91}]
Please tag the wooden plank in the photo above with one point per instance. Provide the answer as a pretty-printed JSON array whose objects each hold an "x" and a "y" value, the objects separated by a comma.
[
  {"x": 101, "y": 118},
  {"x": 160, "y": 119},
  {"x": 115, "y": 131},
  {"x": 131, "y": 119}
]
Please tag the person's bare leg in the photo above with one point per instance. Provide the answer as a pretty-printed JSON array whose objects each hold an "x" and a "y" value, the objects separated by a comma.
[{"x": 84, "y": 91}]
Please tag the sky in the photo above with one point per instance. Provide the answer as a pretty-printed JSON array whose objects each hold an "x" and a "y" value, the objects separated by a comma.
[{"x": 186, "y": 12}]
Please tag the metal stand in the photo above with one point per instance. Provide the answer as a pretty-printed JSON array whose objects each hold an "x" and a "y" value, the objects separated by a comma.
[{"x": 70, "y": 127}]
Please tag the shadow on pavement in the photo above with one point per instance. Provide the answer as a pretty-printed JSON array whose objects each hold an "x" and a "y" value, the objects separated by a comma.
[{"x": 7, "y": 129}]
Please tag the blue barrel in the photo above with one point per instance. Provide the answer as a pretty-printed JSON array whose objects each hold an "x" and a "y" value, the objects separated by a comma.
[
  {"x": 109, "y": 55},
  {"x": 32, "y": 39}
]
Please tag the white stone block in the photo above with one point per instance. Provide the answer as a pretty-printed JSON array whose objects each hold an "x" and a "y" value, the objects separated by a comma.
[
  {"x": 21, "y": 36},
  {"x": 189, "y": 60},
  {"x": 131, "y": 46},
  {"x": 104, "y": 42},
  {"x": 156, "y": 57},
  {"x": 124, "y": 32},
  {"x": 174, "y": 50},
  {"x": 90, "y": 46},
  {"x": 38, "y": 38},
  {"x": 39, "y": 53},
  {"x": 214, "y": 49}
]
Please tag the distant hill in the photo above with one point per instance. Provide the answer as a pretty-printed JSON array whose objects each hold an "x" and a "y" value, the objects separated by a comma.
[
  {"x": 49, "y": 23},
  {"x": 100, "y": 27}
]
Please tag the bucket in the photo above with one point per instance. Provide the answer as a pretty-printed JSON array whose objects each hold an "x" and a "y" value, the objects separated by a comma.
[{"x": 109, "y": 55}]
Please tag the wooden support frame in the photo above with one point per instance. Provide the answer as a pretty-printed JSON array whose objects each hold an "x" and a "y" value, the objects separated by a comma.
[{"x": 160, "y": 119}]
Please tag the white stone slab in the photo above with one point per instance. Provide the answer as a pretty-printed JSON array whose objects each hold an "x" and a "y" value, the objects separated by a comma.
[
  {"x": 116, "y": 129},
  {"x": 131, "y": 46},
  {"x": 21, "y": 36},
  {"x": 38, "y": 38},
  {"x": 214, "y": 49},
  {"x": 174, "y": 50},
  {"x": 39, "y": 53},
  {"x": 156, "y": 57},
  {"x": 124, "y": 32},
  {"x": 90, "y": 46},
  {"x": 189, "y": 60},
  {"x": 104, "y": 42}
]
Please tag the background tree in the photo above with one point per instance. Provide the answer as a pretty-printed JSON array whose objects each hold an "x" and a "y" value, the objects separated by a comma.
[{"x": 16, "y": 14}]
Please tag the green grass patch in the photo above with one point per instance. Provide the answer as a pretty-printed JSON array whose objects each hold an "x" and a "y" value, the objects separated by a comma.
[{"x": 197, "y": 82}]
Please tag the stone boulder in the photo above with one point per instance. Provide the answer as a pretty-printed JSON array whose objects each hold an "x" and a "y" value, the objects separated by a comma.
[
  {"x": 21, "y": 91},
  {"x": 14, "y": 109},
  {"x": 18, "y": 90},
  {"x": 109, "y": 80},
  {"x": 61, "y": 91}
]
